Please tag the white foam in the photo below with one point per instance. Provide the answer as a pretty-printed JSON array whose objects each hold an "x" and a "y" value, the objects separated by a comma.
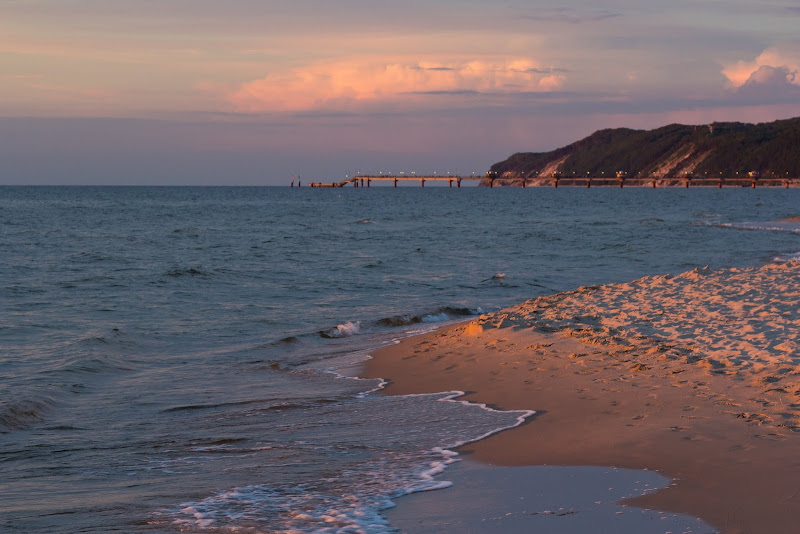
[
  {"x": 352, "y": 500},
  {"x": 346, "y": 330},
  {"x": 771, "y": 226},
  {"x": 523, "y": 415},
  {"x": 794, "y": 256},
  {"x": 410, "y": 460},
  {"x": 436, "y": 318}
]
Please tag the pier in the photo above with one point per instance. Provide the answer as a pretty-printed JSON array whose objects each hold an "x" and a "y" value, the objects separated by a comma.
[
  {"x": 366, "y": 180},
  {"x": 619, "y": 179}
]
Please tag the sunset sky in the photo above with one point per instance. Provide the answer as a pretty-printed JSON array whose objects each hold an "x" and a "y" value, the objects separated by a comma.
[{"x": 253, "y": 91}]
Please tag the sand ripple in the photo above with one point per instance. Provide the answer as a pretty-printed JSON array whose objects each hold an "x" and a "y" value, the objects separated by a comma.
[{"x": 744, "y": 323}]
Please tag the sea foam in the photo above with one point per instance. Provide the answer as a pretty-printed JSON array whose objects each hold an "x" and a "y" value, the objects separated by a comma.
[{"x": 414, "y": 436}]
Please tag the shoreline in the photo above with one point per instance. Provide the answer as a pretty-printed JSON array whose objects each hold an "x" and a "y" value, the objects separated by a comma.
[{"x": 694, "y": 377}]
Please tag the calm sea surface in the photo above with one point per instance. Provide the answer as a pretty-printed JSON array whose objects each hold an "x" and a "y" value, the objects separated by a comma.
[{"x": 172, "y": 358}]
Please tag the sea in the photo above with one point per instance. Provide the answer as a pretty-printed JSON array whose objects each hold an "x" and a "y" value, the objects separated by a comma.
[{"x": 185, "y": 359}]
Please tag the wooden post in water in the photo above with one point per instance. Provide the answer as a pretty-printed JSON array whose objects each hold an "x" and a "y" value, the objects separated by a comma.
[
  {"x": 395, "y": 183},
  {"x": 588, "y": 183},
  {"x": 458, "y": 183},
  {"x": 368, "y": 181},
  {"x": 422, "y": 182},
  {"x": 450, "y": 184}
]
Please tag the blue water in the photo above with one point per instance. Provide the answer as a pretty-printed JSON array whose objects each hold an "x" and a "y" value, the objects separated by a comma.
[{"x": 173, "y": 358}]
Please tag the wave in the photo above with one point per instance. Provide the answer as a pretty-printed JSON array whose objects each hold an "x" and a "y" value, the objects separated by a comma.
[
  {"x": 445, "y": 313},
  {"x": 498, "y": 276},
  {"x": 192, "y": 231},
  {"x": 288, "y": 340},
  {"x": 790, "y": 225},
  {"x": 352, "y": 328},
  {"x": 352, "y": 499},
  {"x": 23, "y": 413},
  {"x": 188, "y": 271},
  {"x": 113, "y": 337},
  {"x": 793, "y": 256},
  {"x": 92, "y": 365},
  {"x": 280, "y": 406},
  {"x": 343, "y": 330}
]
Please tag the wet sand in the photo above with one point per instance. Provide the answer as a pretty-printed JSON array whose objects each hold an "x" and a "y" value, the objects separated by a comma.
[
  {"x": 696, "y": 377},
  {"x": 548, "y": 499}
]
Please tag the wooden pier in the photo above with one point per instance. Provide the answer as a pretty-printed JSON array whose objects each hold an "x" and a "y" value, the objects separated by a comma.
[
  {"x": 638, "y": 181},
  {"x": 366, "y": 180},
  {"x": 557, "y": 180}
]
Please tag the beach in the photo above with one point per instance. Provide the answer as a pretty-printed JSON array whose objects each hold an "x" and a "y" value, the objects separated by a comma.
[
  {"x": 693, "y": 376},
  {"x": 202, "y": 377}
]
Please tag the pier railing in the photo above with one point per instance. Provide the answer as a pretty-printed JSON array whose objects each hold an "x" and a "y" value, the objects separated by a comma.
[
  {"x": 490, "y": 180},
  {"x": 366, "y": 180}
]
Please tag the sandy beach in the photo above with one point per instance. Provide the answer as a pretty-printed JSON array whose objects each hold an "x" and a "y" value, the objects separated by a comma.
[{"x": 694, "y": 376}]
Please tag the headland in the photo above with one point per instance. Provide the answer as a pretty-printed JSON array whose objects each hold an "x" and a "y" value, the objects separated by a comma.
[{"x": 717, "y": 154}]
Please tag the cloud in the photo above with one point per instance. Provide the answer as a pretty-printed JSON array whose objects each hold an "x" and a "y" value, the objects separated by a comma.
[
  {"x": 770, "y": 84},
  {"x": 771, "y": 67},
  {"x": 771, "y": 76},
  {"x": 571, "y": 16},
  {"x": 346, "y": 84}
]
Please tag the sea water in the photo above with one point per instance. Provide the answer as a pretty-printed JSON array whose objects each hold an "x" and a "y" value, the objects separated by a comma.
[{"x": 172, "y": 358}]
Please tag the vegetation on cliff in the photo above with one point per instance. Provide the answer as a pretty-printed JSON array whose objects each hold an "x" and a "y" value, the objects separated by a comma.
[{"x": 673, "y": 151}]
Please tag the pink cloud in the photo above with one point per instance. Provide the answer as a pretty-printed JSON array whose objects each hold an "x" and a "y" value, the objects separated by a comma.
[
  {"x": 344, "y": 84},
  {"x": 764, "y": 68}
]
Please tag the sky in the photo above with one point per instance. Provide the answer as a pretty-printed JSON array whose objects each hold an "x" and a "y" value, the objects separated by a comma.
[{"x": 252, "y": 92}]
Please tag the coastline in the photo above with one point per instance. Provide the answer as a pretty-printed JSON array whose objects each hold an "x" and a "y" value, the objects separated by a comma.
[{"x": 694, "y": 376}]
